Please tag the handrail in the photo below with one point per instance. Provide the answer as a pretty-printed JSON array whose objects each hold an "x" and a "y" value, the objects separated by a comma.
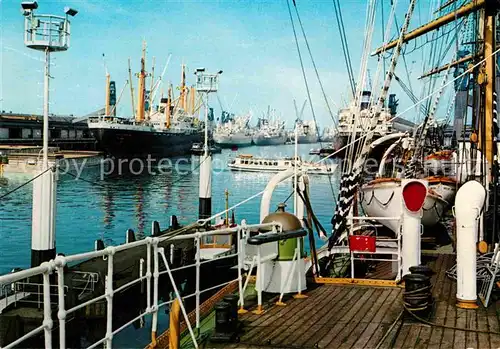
[
  {"x": 274, "y": 237},
  {"x": 153, "y": 253},
  {"x": 23, "y": 274},
  {"x": 398, "y": 253}
]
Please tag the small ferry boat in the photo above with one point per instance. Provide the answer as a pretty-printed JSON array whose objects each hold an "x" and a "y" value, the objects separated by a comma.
[
  {"x": 314, "y": 151},
  {"x": 199, "y": 148},
  {"x": 250, "y": 163}
]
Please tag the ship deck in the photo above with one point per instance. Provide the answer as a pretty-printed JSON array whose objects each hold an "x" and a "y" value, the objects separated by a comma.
[{"x": 355, "y": 316}]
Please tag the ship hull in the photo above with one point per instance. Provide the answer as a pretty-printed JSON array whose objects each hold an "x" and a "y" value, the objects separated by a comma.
[
  {"x": 123, "y": 143},
  {"x": 307, "y": 139},
  {"x": 226, "y": 141},
  {"x": 276, "y": 140}
]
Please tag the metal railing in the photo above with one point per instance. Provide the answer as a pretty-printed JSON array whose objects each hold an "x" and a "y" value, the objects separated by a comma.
[
  {"x": 151, "y": 277},
  {"x": 48, "y": 30},
  {"x": 394, "y": 248}
]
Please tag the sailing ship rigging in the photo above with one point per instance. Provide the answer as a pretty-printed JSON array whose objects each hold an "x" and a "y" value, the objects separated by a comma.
[{"x": 420, "y": 156}]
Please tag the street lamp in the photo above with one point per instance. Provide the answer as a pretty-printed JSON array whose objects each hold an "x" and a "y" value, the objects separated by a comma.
[
  {"x": 47, "y": 33},
  {"x": 206, "y": 83}
]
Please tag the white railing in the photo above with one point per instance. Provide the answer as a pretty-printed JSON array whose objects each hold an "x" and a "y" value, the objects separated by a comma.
[{"x": 153, "y": 252}]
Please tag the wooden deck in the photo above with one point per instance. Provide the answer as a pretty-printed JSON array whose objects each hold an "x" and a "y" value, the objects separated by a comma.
[{"x": 338, "y": 316}]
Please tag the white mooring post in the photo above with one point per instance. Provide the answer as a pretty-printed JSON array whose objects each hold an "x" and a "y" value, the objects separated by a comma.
[
  {"x": 468, "y": 206},
  {"x": 414, "y": 192},
  {"x": 47, "y": 33},
  {"x": 43, "y": 231}
]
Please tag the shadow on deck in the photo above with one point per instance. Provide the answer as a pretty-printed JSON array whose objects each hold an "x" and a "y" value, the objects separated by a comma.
[{"x": 340, "y": 316}]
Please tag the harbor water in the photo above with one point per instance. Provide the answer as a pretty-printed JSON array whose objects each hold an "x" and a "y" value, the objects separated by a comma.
[
  {"x": 106, "y": 209},
  {"x": 98, "y": 206}
]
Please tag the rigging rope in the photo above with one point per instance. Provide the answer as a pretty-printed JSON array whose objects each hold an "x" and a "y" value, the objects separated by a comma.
[
  {"x": 350, "y": 181},
  {"x": 305, "y": 77},
  {"x": 345, "y": 47},
  {"x": 466, "y": 72},
  {"x": 77, "y": 177},
  {"x": 410, "y": 94},
  {"x": 355, "y": 106},
  {"x": 316, "y": 71},
  {"x": 385, "y": 39}
]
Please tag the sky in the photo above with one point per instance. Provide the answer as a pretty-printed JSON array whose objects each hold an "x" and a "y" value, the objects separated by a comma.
[{"x": 251, "y": 41}]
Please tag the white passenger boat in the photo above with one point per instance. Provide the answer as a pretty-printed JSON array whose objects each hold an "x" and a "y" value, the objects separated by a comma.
[{"x": 253, "y": 164}]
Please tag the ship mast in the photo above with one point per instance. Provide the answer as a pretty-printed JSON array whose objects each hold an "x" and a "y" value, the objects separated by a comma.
[
  {"x": 106, "y": 106},
  {"x": 485, "y": 139},
  {"x": 435, "y": 24},
  {"x": 182, "y": 97},
  {"x": 192, "y": 95},
  {"x": 141, "y": 87},
  {"x": 151, "y": 88},
  {"x": 168, "y": 107},
  {"x": 131, "y": 88}
]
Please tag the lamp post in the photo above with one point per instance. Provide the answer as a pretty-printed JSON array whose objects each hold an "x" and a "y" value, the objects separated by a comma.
[
  {"x": 47, "y": 33},
  {"x": 206, "y": 83}
]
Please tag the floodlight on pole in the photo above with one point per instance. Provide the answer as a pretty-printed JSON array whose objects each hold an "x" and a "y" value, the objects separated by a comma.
[
  {"x": 70, "y": 11},
  {"x": 29, "y": 5},
  {"x": 46, "y": 33},
  {"x": 206, "y": 83}
]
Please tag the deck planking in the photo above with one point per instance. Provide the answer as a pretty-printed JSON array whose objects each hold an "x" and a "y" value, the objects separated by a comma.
[{"x": 355, "y": 316}]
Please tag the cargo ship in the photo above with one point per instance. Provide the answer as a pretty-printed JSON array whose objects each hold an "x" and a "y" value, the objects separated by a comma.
[
  {"x": 306, "y": 131},
  {"x": 234, "y": 132},
  {"x": 270, "y": 130},
  {"x": 354, "y": 121},
  {"x": 168, "y": 129}
]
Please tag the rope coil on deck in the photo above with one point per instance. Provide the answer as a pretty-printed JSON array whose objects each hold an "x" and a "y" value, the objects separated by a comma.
[{"x": 417, "y": 296}]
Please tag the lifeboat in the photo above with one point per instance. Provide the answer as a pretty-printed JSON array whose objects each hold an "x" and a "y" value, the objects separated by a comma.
[{"x": 382, "y": 197}]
